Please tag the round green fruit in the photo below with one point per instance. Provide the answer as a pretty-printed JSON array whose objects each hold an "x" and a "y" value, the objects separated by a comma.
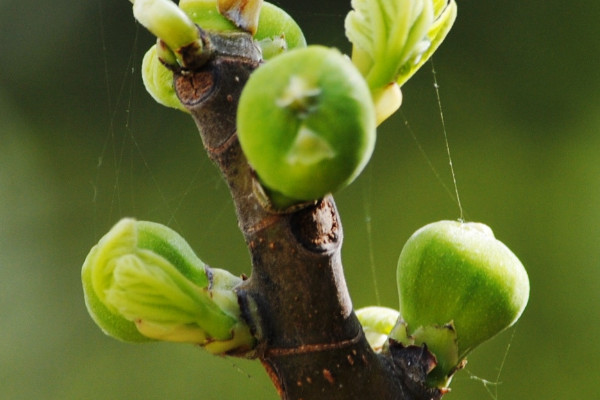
[
  {"x": 459, "y": 276},
  {"x": 158, "y": 81},
  {"x": 306, "y": 123},
  {"x": 277, "y": 32}
]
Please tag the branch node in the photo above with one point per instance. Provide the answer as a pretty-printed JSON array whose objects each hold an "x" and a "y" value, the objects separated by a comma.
[
  {"x": 313, "y": 348},
  {"x": 318, "y": 228}
]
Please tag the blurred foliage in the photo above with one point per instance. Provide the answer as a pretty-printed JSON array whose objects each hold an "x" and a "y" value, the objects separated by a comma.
[{"x": 82, "y": 145}]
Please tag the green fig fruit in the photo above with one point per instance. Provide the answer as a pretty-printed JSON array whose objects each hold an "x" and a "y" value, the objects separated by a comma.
[
  {"x": 306, "y": 123},
  {"x": 459, "y": 286}
]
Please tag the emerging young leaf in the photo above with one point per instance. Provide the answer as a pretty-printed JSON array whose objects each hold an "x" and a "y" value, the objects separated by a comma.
[
  {"x": 143, "y": 282},
  {"x": 392, "y": 39}
]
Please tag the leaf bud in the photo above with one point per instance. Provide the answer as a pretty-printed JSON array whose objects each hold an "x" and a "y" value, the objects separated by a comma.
[{"x": 143, "y": 282}]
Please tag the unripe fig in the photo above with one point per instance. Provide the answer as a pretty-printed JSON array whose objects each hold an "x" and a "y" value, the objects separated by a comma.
[
  {"x": 459, "y": 286},
  {"x": 277, "y": 30},
  {"x": 306, "y": 123},
  {"x": 158, "y": 80}
]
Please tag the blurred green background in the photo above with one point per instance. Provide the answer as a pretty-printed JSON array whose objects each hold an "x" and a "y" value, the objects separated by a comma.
[{"x": 82, "y": 145}]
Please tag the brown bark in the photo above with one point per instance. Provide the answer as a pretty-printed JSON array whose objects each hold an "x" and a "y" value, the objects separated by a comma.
[{"x": 296, "y": 299}]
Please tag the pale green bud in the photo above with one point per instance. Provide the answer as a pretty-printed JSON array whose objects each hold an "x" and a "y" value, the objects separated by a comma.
[
  {"x": 393, "y": 38},
  {"x": 142, "y": 281},
  {"x": 377, "y": 323},
  {"x": 165, "y": 20}
]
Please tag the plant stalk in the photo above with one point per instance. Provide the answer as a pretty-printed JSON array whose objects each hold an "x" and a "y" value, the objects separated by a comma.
[{"x": 296, "y": 299}]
